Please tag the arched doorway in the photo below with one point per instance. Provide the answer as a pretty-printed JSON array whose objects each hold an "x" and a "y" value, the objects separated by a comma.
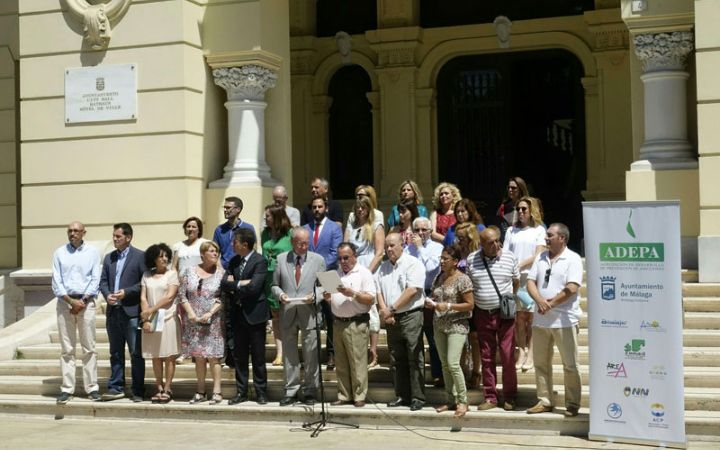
[
  {"x": 522, "y": 114},
  {"x": 350, "y": 131}
]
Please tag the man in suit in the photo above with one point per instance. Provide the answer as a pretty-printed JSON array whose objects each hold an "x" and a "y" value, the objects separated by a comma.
[
  {"x": 244, "y": 283},
  {"x": 319, "y": 188},
  {"x": 120, "y": 285},
  {"x": 295, "y": 277},
  {"x": 325, "y": 236}
]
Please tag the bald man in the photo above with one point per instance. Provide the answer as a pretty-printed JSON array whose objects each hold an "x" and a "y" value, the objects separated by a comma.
[{"x": 75, "y": 282}]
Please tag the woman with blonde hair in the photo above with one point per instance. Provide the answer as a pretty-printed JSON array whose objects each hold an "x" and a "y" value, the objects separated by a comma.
[
  {"x": 445, "y": 196},
  {"x": 468, "y": 241},
  {"x": 202, "y": 334},
  {"x": 407, "y": 192},
  {"x": 367, "y": 191},
  {"x": 525, "y": 239},
  {"x": 368, "y": 235}
]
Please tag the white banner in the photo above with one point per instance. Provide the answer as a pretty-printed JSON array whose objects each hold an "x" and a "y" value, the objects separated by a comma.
[{"x": 635, "y": 322}]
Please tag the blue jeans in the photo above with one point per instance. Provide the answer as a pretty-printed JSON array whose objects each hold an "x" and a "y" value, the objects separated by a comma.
[{"x": 122, "y": 330}]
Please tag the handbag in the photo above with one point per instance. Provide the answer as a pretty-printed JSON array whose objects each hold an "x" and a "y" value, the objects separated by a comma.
[{"x": 508, "y": 308}]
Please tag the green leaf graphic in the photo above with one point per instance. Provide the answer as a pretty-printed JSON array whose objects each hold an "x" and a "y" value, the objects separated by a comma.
[{"x": 629, "y": 227}]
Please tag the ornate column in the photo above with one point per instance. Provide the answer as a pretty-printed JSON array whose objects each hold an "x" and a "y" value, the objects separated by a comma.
[
  {"x": 664, "y": 78},
  {"x": 245, "y": 78}
]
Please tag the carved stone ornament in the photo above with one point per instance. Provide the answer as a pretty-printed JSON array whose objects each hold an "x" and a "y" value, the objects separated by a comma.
[
  {"x": 96, "y": 16},
  {"x": 503, "y": 27},
  {"x": 245, "y": 82},
  {"x": 344, "y": 46},
  {"x": 663, "y": 51}
]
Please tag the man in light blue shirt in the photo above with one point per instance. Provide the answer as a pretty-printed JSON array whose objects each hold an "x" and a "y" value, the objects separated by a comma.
[
  {"x": 75, "y": 280},
  {"x": 232, "y": 208}
]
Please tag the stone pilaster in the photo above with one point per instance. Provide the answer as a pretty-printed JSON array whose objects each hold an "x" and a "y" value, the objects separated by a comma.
[
  {"x": 245, "y": 81},
  {"x": 663, "y": 57}
]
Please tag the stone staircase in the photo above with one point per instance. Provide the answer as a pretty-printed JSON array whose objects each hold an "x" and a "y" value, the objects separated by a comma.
[{"x": 30, "y": 382}]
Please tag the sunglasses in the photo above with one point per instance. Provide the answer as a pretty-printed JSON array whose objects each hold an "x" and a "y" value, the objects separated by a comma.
[
  {"x": 547, "y": 275},
  {"x": 521, "y": 208}
]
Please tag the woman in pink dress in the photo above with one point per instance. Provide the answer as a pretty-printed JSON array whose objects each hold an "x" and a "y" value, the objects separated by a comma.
[
  {"x": 443, "y": 217},
  {"x": 160, "y": 323}
]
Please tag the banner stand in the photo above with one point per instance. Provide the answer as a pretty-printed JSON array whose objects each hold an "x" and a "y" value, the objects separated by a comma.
[{"x": 635, "y": 322}]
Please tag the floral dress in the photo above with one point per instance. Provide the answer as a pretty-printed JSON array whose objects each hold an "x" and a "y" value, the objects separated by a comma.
[
  {"x": 450, "y": 322},
  {"x": 203, "y": 340}
]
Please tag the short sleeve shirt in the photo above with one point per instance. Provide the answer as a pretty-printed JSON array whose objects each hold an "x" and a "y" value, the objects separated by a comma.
[
  {"x": 567, "y": 268},
  {"x": 392, "y": 280}
]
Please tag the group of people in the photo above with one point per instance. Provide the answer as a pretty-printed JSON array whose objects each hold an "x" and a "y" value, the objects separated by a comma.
[{"x": 444, "y": 275}]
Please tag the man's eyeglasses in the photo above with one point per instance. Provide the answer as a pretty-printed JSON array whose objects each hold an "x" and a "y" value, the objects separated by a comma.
[
  {"x": 547, "y": 275},
  {"x": 521, "y": 209}
]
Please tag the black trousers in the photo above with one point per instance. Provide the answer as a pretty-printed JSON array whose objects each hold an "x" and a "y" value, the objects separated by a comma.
[{"x": 249, "y": 345}]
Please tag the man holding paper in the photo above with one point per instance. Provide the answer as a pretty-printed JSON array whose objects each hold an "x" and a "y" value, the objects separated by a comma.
[
  {"x": 351, "y": 305},
  {"x": 293, "y": 283}
]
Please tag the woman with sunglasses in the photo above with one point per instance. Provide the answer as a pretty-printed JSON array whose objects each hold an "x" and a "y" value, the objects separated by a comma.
[
  {"x": 202, "y": 336},
  {"x": 368, "y": 192},
  {"x": 516, "y": 189},
  {"x": 465, "y": 211},
  {"x": 368, "y": 235},
  {"x": 526, "y": 239}
]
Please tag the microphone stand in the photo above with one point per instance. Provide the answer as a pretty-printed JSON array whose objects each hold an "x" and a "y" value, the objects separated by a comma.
[{"x": 321, "y": 424}]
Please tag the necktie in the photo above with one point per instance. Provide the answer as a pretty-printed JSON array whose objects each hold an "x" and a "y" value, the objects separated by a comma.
[
  {"x": 298, "y": 268},
  {"x": 241, "y": 267},
  {"x": 316, "y": 235}
]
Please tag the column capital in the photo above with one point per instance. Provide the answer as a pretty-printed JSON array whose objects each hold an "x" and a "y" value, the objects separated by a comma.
[
  {"x": 245, "y": 82},
  {"x": 663, "y": 51}
]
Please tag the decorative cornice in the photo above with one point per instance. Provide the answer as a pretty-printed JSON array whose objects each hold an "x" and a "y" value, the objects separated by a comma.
[
  {"x": 96, "y": 19},
  {"x": 248, "y": 82},
  {"x": 260, "y": 58},
  {"x": 663, "y": 51}
]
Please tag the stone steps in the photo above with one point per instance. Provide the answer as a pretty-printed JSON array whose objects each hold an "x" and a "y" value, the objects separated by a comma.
[
  {"x": 691, "y": 337},
  {"x": 706, "y": 399},
  {"x": 693, "y": 356},
  {"x": 695, "y": 377}
]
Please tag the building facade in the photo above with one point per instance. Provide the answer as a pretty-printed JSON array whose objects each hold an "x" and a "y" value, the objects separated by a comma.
[{"x": 586, "y": 100}]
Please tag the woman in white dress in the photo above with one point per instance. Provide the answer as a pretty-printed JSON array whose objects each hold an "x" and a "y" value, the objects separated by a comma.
[
  {"x": 187, "y": 253},
  {"x": 526, "y": 239},
  {"x": 368, "y": 236},
  {"x": 160, "y": 323}
]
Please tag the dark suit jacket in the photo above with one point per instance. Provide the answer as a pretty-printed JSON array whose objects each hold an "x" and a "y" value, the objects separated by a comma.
[
  {"x": 129, "y": 279},
  {"x": 330, "y": 237},
  {"x": 249, "y": 299}
]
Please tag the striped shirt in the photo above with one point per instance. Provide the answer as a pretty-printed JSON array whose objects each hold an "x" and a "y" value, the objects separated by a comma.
[{"x": 504, "y": 269}]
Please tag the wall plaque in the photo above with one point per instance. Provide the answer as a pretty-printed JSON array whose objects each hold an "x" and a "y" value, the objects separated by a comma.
[{"x": 101, "y": 93}]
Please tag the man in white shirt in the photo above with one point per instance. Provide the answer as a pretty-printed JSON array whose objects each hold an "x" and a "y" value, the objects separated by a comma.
[
  {"x": 400, "y": 282},
  {"x": 553, "y": 282},
  {"x": 428, "y": 252},
  {"x": 75, "y": 283},
  {"x": 280, "y": 198},
  {"x": 351, "y": 334}
]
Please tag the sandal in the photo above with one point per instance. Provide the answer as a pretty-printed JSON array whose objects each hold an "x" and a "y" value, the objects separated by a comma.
[
  {"x": 373, "y": 364},
  {"x": 216, "y": 398},
  {"x": 158, "y": 396},
  {"x": 166, "y": 397},
  {"x": 199, "y": 397},
  {"x": 278, "y": 361}
]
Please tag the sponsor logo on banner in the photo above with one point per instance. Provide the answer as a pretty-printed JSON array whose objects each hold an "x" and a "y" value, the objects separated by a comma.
[
  {"x": 614, "y": 412},
  {"x": 632, "y": 251},
  {"x": 634, "y": 349},
  {"x": 657, "y": 414},
  {"x": 652, "y": 326},
  {"x": 636, "y": 392},
  {"x": 613, "y": 323},
  {"x": 658, "y": 372},
  {"x": 607, "y": 288},
  {"x": 616, "y": 370}
]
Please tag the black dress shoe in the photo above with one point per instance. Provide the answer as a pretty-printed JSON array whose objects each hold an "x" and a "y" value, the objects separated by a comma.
[
  {"x": 287, "y": 401},
  {"x": 416, "y": 405},
  {"x": 261, "y": 399},
  {"x": 398, "y": 402},
  {"x": 240, "y": 398},
  {"x": 309, "y": 400}
]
